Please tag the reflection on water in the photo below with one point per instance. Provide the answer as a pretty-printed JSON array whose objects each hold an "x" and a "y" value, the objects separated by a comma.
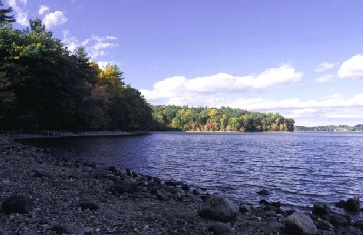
[{"x": 298, "y": 168}]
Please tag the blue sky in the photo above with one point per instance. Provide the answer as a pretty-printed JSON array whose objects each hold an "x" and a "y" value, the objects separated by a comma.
[{"x": 301, "y": 58}]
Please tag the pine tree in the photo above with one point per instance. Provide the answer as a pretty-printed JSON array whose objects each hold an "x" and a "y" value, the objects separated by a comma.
[{"x": 4, "y": 17}]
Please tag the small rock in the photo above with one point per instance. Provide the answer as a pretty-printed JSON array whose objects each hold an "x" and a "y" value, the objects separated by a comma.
[
  {"x": 171, "y": 183},
  {"x": 112, "y": 169},
  {"x": 185, "y": 187},
  {"x": 195, "y": 192},
  {"x": 219, "y": 208},
  {"x": 320, "y": 209},
  {"x": 243, "y": 208},
  {"x": 68, "y": 229},
  {"x": 126, "y": 186},
  {"x": 325, "y": 225},
  {"x": 263, "y": 192},
  {"x": 17, "y": 204},
  {"x": 42, "y": 174},
  {"x": 88, "y": 205},
  {"x": 220, "y": 228},
  {"x": 300, "y": 223},
  {"x": 270, "y": 214},
  {"x": 352, "y": 205}
]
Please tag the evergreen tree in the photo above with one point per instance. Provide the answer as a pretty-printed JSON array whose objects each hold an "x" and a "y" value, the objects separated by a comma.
[{"x": 4, "y": 14}]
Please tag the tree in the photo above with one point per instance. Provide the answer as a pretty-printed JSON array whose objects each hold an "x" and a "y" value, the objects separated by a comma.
[{"x": 4, "y": 14}]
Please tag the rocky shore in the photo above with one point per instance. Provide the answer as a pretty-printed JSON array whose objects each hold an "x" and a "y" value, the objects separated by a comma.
[{"x": 40, "y": 194}]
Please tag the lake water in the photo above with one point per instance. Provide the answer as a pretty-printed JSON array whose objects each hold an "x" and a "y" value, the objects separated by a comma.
[{"x": 297, "y": 168}]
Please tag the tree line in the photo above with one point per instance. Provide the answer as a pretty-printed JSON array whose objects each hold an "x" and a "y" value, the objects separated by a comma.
[
  {"x": 44, "y": 86},
  {"x": 217, "y": 119}
]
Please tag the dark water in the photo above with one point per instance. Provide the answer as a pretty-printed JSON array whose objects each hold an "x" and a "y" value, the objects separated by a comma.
[{"x": 297, "y": 168}]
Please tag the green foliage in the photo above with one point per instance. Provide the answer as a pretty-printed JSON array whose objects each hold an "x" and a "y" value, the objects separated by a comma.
[
  {"x": 44, "y": 86},
  {"x": 213, "y": 119}
]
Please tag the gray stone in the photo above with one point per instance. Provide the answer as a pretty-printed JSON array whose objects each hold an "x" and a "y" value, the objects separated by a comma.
[
  {"x": 69, "y": 229},
  {"x": 88, "y": 205},
  {"x": 338, "y": 220},
  {"x": 352, "y": 205},
  {"x": 243, "y": 208},
  {"x": 300, "y": 224},
  {"x": 17, "y": 204},
  {"x": 320, "y": 208},
  {"x": 126, "y": 186},
  {"x": 219, "y": 208},
  {"x": 263, "y": 192},
  {"x": 220, "y": 228}
]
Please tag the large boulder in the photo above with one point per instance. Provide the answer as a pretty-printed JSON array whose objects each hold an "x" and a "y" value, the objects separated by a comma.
[
  {"x": 17, "y": 204},
  {"x": 219, "y": 208},
  {"x": 351, "y": 205},
  {"x": 300, "y": 224}
]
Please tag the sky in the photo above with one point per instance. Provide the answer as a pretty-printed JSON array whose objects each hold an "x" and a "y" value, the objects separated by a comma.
[{"x": 300, "y": 58}]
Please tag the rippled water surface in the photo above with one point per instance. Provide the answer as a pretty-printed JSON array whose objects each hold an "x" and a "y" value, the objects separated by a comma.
[{"x": 297, "y": 168}]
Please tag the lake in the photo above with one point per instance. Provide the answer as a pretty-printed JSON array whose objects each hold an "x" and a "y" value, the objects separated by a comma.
[{"x": 297, "y": 168}]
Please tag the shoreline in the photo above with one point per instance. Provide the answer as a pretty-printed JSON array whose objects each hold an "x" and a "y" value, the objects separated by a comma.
[{"x": 126, "y": 202}]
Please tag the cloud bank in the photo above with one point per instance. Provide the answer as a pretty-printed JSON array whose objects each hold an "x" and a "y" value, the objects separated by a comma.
[{"x": 222, "y": 83}]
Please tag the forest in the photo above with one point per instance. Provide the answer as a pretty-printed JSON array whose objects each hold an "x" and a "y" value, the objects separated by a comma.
[
  {"x": 214, "y": 119},
  {"x": 44, "y": 86}
]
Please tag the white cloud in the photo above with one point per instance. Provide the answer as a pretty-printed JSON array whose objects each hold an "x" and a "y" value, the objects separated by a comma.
[
  {"x": 324, "y": 67},
  {"x": 54, "y": 19},
  {"x": 323, "y": 79},
  {"x": 96, "y": 46},
  {"x": 352, "y": 68},
  {"x": 21, "y": 16},
  {"x": 223, "y": 83},
  {"x": 43, "y": 9}
]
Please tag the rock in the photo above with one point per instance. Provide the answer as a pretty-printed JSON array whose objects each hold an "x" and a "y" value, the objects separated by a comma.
[
  {"x": 42, "y": 174},
  {"x": 88, "y": 205},
  {"x": 340, "y": 204},
  {"x": 112, "y": 169},
  {"x": 220, "y": 228},
  {"x": 195, "y": 192},
  {"x": 325, "y": 225},
  {"x": 171, "y": 183},
  {"x": 17, "y": 204},
  {"x": 300, "y": 223},
  {"x": 243, "y": 208},
  {"x": 352, "y": 205},
  {"x": 161, "y": 195},
  {"x": 219, "y": 208},
  {"x": 263, "y": 192},
  {"x": 321, "y": 209},
  {"x": 185, "y": 187},
  {"x": 69, "y": 229},
  {"x": 358, "y": 224},
  {"x": 126, "y": 186},
  {"x": 338, "y": 220},
  {"x": 270, "y": 214}
]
